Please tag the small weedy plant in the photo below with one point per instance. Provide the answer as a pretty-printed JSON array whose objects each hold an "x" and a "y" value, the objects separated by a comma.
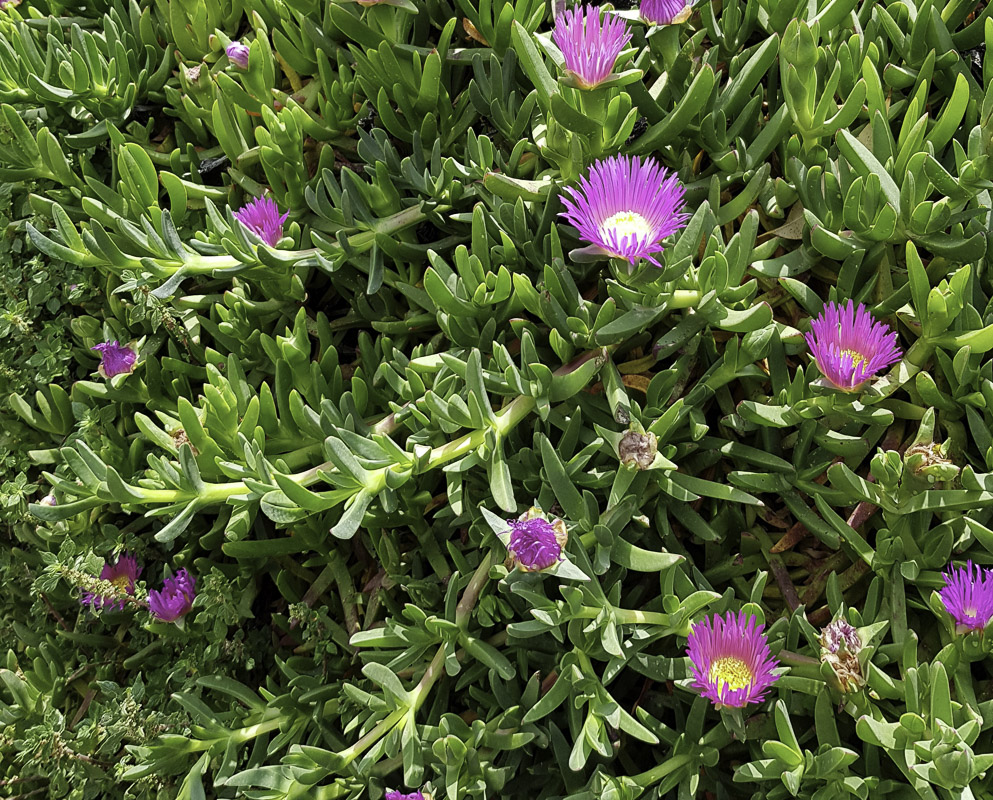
[{"x": 437, "y": 399}]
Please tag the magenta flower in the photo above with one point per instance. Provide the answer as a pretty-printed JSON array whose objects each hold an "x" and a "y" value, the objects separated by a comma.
[
  {"x": 395, "y": 795},
  {"x": 590, "y": 43},
  {"x": 262, "y": 218},
  {"x": 661, "y": 12},
  {"x": 123, "y": 574},
  {"x": 534, "y": 543},
  {"x": 849, "y": 346},
  {"x": 116, "y": 359},
  {"x": 176, "y": 598},
  {"x": 625, "y": 208},
  {"x": 730, "y": 660},
  {"x": 968, "y": 596},
  {"x": 238, "y": 54}
]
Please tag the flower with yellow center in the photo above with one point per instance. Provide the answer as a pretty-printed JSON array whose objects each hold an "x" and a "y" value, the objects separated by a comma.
[
  {"x": 849, "y": 346},
  {"x": 122, "y": 576},
  {"x": 625, "y": 207},
  {"x": 730, "y": 660}
]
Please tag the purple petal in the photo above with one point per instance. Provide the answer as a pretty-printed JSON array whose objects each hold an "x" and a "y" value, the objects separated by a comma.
[
  {"x": 123, "y": 574},
  {"x": 175, "y": 599},
  {"x": 661, "y": 12},
  {"x": 626, "y": 207},
  {"x": 262, "y": 217},
  {"x": 590, "y": 43},
  {"x": 238, "y": 54},
  {"x": 849, "y": 346},
  {"x": 533, "y": 543},
  {"x": 115, "y": 359},
  {"x": 968, "y": 596}
]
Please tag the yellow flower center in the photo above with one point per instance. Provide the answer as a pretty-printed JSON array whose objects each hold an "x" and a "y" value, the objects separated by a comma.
[
  {"x": 627, "y": 223},
  {"x": 730, "y": 673},
  {"x": 853, "y": 356},
  {"x": 122, "y": 582}
]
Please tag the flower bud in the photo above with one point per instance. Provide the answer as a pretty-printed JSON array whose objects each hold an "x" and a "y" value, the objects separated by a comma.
[
  {"x": 238, "y": 54},
  {"x": 638, "y": 449},
  {"x": 116, "y": 359},
  {"x": 535, "y": 543},
  {"x": 840, "y": 648}
]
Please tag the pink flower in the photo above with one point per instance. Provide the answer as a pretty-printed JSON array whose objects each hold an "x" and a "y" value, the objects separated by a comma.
[
  {"x": 176, "y": 598},
  {"x": 730, "y": 659},
  {"x": 122, "y": 574},
  {"x": 850, "y": 346},
  {"x": 262, "y": 217},
  {"x": 625, "y": 207},
  {"x": 590, "y": 43}
]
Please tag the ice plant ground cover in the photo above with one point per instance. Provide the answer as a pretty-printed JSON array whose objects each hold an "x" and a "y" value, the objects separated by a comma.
[{"x": 491, "y": 400}]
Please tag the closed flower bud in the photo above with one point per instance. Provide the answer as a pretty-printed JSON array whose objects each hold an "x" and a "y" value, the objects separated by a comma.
[
  {"x": 238, "y": 54},
  {"x": 638, "y": 449},
  {"x": 535, "y": 543}
]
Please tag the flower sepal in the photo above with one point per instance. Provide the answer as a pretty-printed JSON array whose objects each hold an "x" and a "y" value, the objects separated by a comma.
[
  {"x": 733, "y": 720},
  {"x": 405, "y": 5},
  {"x": 615, "y": 79},
  {"x": 588, "y": 254}
]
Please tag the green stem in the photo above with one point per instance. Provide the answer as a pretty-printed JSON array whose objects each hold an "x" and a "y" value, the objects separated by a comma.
[
  {"x": 657, "y": 773},
  {"x": 419, "y": 693},
  {"x": 626, "y": 616},
  {"x": 506, "y": 419},
  {"x": 684, "y": 298}
]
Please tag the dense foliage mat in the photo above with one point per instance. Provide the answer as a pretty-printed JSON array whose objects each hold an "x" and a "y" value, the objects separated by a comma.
[{"x": 358, "y": 441}]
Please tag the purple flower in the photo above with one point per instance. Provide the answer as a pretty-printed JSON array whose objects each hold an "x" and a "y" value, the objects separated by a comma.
[
  {"x": 840, "y": 648},
  {"x": 850, "y": 346},
  {"x": 968, "y": 596},
  {"x": 175, "y": 599},
  {"x": 116, "y": 359},
  {"x": 238, "y": 54},
  {"x": 661, "y": 12},
  {"x": 262, "y": 218},
  {"x": 625, "y": 207},
  {"x": 590, "y": 43},
  {"x": 841, "y": 635},
  {"x": 395, "y": 795},
  {"x": 535, "y": 543},
  {"x": 730, "y": 660},
  {"x": 49, "y": 500},
  {"x": 123, "y": 574}
]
